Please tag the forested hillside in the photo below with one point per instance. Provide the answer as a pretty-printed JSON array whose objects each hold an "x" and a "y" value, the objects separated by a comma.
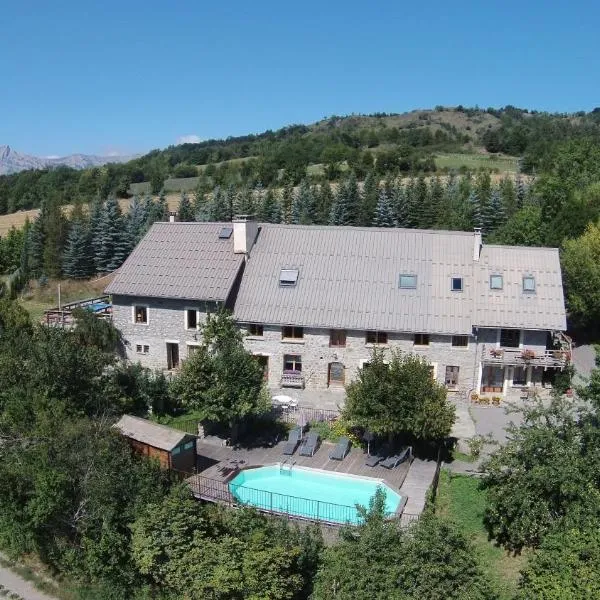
[{"x": 379, "y": 170}]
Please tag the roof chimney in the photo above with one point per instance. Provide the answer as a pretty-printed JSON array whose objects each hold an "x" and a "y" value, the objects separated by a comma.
[
  {"x": 172, "y": 217},
  {"x": 245, "y": 230},
  {"x": 477, "y": 243}
]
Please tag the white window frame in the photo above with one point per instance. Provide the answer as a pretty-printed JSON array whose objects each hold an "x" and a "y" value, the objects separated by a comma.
[
  {"x": 142, "y": 345},
  {"x": 455, "y": 385},
  {"x": 187, "y": 347},
  {"x": 185, "y": 318},
  {"x": 290, "y": 279},
  {"x": 532, "y": 291},
  {"x": 140, "y": 305}
]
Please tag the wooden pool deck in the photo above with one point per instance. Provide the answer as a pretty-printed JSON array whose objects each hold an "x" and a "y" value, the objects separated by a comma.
[{"x": 221, "y": 462}]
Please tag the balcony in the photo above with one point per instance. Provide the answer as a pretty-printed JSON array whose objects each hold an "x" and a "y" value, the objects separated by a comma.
[{"x": 524, "y": 357}]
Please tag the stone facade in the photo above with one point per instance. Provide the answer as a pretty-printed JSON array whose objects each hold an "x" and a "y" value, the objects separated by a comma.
[
  {"x": 164, "y": 340},
  {"x": 166, "y": 324}
]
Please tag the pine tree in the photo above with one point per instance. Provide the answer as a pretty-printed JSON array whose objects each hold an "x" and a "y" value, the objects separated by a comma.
[
  {"x": 422, "y": 204},
  {"x": 303, "y": 204},
  {"x": 115, "y": 242},
  {"x": 287, "y": 197},
  {"x": 521, "y": 192},
  {"x": 324, "y": 203},
  {"x": 370, "y": 199},
  {"x": 161, "y": 207},
  {"x": 340, "y": 210},
  {"x": 185, "y": 212},
  {"x": 383, "y": 212},
  {"x": 398, "y": 202},
  {"x": 353, "y": 199},
  {"x": 36, "y": 240},
  {"x": 436, "y": 199},
  {"x": 96, "y": 224},
  {"x": 244, "y": 204},
  {"x": 411, "y": 204},
  {"x": 497, "y": 216},
  {"x": 475, "y": 210},
  {"x": 270, "y": 210},
  {"x": 77, "y": 257},
  {"x": 218, "y": 206},
  {"x": 509, "y": 196},
  {"x": 137, "y": 220}
]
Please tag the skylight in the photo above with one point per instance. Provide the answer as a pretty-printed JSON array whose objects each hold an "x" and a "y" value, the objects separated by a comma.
[
  {"x": 225, "y": 233},
  {"x": 407, "y": 282},
  {"x": 529, "y": 284},
  {"x": 288, "y": 277},
  {"x": 496, "y": 282},
  {"x": 457, "y": 284}
]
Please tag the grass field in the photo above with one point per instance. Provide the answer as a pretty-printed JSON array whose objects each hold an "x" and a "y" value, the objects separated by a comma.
[
  {"x": 472, "y": 162},
  {"x": 460, "y": 499},
  {"x": 38, "y": 299}
]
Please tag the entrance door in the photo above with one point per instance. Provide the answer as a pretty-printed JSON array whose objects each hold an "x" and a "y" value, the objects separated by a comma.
[
  {"x": 263, "y": 361},
  {"x": 172, "y": 355},
  {"x": 336, "y": 374}
]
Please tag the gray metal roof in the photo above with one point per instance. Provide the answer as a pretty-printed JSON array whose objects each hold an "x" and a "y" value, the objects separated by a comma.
[
  {"x": 180, "y": 260},
  {"x": 152, "y": 434},
  {"x": 511, "y": 307},
  {"x": 349, "y": 278}
]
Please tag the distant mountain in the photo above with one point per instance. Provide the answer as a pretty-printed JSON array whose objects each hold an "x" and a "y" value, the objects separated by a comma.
[{"x": 13, "y": 162}]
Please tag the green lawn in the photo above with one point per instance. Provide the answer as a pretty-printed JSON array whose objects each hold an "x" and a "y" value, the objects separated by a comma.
[
  {"x": 460, "y": 499},
  {"x": 504, "y": 164}
]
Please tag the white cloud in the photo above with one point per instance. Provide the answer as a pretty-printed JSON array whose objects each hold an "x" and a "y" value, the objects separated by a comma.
[
  {"x": 188, "y": 139},
  {"x": 52, "y": 156}
]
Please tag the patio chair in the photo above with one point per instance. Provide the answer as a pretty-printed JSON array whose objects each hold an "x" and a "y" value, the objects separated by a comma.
[
  {"x": 310, "y": 444},
  {"x": 293, "y": 440},
  {"x": 393, "y": 461},
  {"x": 341, "y": 449},
  {"x": 375, "y": 459}
]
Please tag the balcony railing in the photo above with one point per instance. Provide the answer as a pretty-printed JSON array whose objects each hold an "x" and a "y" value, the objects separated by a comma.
[{"x": 524, "y": 357}]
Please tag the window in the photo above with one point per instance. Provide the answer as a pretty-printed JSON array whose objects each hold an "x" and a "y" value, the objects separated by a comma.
[
  {"x": 337, "y": 338},
  {"x": 509, "y": 338},
  {"x": 192, "y": 349},
  {"x": 408, "y": 282},
  {"x": 292, "y": 362},
  {"x": 175, "y": 451},
  {"x": 496, "y": 282},
  {"x": 519, "y": 376},
  {"x": 451, "y": 379},
  {"x": 256, "y": 330},
  {"x": 421, "y": 339},
  {"x": 191, "y": 319},
  {"x": 292, "y": 333},
  {"x": 457, "y": 284},
  {"x": 460, "y": 341},
  {"x": 529, "y": 285},
  {"x": 225, "y": 233},
  {"x": 377, "y": 337},
  {"x": 288, "y": 277},
  {"x": 140, "y": 314},
  {"x": 142, "y": 348},
  {"x": 188, "y": 446}
]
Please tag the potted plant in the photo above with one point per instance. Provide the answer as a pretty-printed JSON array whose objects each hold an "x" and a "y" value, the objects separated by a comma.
[
  {"x": 497, "y": 352},
  {"x": 474, "y": 397},
  {"x": 527, "y": 354}
]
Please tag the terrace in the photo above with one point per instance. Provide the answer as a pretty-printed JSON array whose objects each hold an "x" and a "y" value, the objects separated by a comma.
[{"x": 218, "y": 464}]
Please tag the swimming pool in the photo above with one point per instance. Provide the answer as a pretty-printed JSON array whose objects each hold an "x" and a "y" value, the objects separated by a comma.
[{"x": 310, "y": 493}]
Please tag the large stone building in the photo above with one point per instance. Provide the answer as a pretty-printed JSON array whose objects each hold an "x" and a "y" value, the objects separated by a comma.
[{"x": 315, "y": 300}]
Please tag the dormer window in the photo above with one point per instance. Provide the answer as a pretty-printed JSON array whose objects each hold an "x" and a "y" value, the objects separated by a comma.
[
  {"x": 407, "y": 282},
  {"x": 529, "y": 284},
  {"x": 496, "y": 282},
  {"x": 456, "y": 284},
  {"x": 225, "y": 233},
  {"x": 288, "y": 277}
]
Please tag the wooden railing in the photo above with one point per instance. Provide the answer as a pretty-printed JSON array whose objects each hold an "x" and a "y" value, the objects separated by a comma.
[
  {"x": 63, "y": 316},
  {"x": 524, "y": 357}
]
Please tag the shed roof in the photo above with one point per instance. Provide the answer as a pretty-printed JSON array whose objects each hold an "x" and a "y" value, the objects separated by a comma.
[
  {"x": 152, "y": 434},
  {"x": 180, "y": 260},
  {"x": 348, "y": 277}
]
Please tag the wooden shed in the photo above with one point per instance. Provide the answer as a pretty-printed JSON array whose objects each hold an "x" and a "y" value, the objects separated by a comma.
[{"x": 174, "y": 449}]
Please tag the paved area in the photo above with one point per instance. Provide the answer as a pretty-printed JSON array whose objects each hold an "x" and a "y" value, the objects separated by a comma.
[
  {"x": 492, "y": 421},
  {"x": 331, "y": 399},
  {"x": 416, "y": 484},
  {"x": 16, "y": 584},
  {"x": 584, "y": 360}
]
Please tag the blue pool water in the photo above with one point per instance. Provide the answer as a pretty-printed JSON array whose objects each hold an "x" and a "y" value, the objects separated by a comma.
[{"x": 309, "y": 493}]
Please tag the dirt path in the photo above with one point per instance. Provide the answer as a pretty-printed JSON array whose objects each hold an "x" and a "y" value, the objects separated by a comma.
[{"x": 16, "y": 584}]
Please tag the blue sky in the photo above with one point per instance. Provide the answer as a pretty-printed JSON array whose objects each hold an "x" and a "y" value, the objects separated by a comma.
[{"x": 128, "y": 76}]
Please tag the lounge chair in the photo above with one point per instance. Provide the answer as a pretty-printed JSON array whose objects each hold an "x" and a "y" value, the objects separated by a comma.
[
  {"x": 310, "y": 444},
  {"x": 393, "y": 461},
  {"x": 294, "y": 438},
  {"x": 341, "y": 449}
]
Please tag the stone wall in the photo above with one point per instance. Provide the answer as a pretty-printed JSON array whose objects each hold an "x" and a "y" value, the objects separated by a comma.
[{"x": 317, "y": 355}]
